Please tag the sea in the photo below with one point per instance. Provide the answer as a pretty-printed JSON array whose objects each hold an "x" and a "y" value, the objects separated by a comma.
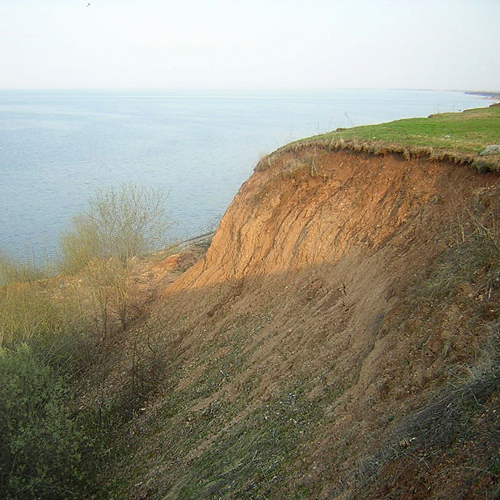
[{"x": 58, "y": 147}]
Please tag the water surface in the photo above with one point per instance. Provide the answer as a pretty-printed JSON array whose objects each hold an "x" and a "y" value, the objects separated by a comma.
[{"x": 57, "y": 147}]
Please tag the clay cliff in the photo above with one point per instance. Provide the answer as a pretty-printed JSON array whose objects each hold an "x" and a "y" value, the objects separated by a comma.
[{"x": 338, "y": 339}]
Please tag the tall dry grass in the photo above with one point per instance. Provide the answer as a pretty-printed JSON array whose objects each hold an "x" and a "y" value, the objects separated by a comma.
[{"x": 28, "y": 310}]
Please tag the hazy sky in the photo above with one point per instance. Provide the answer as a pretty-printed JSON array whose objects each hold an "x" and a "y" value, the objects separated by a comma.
[{"x": 268, "y": 44}]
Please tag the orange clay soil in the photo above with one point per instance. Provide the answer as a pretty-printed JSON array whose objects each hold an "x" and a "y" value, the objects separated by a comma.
[{"x": 322, "y": 348}]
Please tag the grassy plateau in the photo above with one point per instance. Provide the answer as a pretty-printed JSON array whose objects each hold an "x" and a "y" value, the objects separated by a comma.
[{"x": 457, "y": 137}]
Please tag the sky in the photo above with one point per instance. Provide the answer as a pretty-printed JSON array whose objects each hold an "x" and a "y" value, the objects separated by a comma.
[{"x": 250, "y": 44}]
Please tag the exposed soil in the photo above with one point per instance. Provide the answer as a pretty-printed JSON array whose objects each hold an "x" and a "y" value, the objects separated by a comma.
[{"x": 302, "y": 353}]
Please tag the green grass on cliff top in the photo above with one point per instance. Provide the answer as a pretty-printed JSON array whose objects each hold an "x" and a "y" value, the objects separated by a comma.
[{"x": 468, "y": 132}]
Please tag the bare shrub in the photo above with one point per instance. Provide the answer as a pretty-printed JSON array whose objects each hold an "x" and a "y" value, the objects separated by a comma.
[
  {"x": 119, "y": 223},
  {"x": 108, "y": 282}
]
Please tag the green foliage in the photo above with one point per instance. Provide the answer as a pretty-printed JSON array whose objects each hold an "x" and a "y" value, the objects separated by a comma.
[
  {"x": 45, "y": 449},
  {"x": 48, "y": 450},
  {"x": 51, "y": 446},
  {"x": 119, "y": 223}
]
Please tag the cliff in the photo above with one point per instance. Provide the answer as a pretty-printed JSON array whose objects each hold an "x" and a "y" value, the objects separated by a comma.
[{"x": 338, "y": 340}]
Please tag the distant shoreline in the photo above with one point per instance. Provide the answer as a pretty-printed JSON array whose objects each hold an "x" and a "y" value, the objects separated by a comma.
[{"x": 488, "y": 95}]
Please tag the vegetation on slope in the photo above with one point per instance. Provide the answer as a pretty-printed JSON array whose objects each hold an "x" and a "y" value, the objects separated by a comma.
[
  {"x": 49, "y": 449},
  {"x": 55, "y": 337},
  {"x": 291, "y": 379},
  {"x": 252, "y": 387}
]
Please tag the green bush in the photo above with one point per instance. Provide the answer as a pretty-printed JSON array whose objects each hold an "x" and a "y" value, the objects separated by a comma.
[
  {"x": 46, "y": 449},
  {"x": 51, "y": 446}
]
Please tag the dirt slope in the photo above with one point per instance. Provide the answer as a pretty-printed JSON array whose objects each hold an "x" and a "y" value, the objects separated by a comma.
[{"x": 327, "y": 346}]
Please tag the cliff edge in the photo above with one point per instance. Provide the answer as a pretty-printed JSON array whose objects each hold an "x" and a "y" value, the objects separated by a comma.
[{"x": 338, "y": 340}]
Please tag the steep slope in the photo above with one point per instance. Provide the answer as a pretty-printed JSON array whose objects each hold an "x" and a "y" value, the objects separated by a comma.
[{"x": 341, "y": 318}]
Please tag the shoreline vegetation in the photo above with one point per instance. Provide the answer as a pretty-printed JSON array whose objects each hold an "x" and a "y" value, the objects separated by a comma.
[{"x": 55, "y": 331}]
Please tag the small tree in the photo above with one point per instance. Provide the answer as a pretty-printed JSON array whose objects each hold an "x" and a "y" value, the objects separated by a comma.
[{"x": 118, "y": 225}]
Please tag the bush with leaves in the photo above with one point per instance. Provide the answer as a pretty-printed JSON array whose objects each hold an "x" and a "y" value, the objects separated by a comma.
[{"x": 46, "y": 449}]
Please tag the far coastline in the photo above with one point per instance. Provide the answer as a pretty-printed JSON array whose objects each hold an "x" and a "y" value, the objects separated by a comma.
[{"x": 495, "y": 96}]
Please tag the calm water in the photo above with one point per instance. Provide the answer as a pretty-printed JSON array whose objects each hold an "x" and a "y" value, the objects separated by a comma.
[{"x": 56, "y": 147}]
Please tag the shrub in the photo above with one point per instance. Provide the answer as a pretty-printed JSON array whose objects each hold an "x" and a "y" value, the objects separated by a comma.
[
  {"x": 46, "y": 452},
  {"x": 108, "y": 282},
  {"x": 119, "y": 223},
  {"x": 79, "y": 245}
]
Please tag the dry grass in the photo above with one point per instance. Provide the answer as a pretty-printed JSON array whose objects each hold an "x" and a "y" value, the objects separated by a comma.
[
  {"x": 28, "y": 310},
  {"x": 309, "y": 163},
  {"x": 380, "y": 148},
  {"x": 14, "y": 271}
]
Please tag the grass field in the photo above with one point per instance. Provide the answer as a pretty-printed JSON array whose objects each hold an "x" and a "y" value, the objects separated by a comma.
[
  {"x": 455, "y": 137},
  {"x": 469, "y": 131}
]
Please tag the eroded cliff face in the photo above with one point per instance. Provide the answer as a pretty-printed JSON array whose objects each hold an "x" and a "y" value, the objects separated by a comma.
[
  {"x": 285, "y": 219},
  {"x": 320, "y": 322}
]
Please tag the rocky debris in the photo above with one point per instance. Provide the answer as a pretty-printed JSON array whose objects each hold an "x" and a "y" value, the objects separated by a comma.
[{"x": 490, "y": 150}]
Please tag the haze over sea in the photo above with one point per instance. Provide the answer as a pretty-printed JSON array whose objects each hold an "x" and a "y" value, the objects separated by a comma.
[{"x": 57, "y": 147}]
